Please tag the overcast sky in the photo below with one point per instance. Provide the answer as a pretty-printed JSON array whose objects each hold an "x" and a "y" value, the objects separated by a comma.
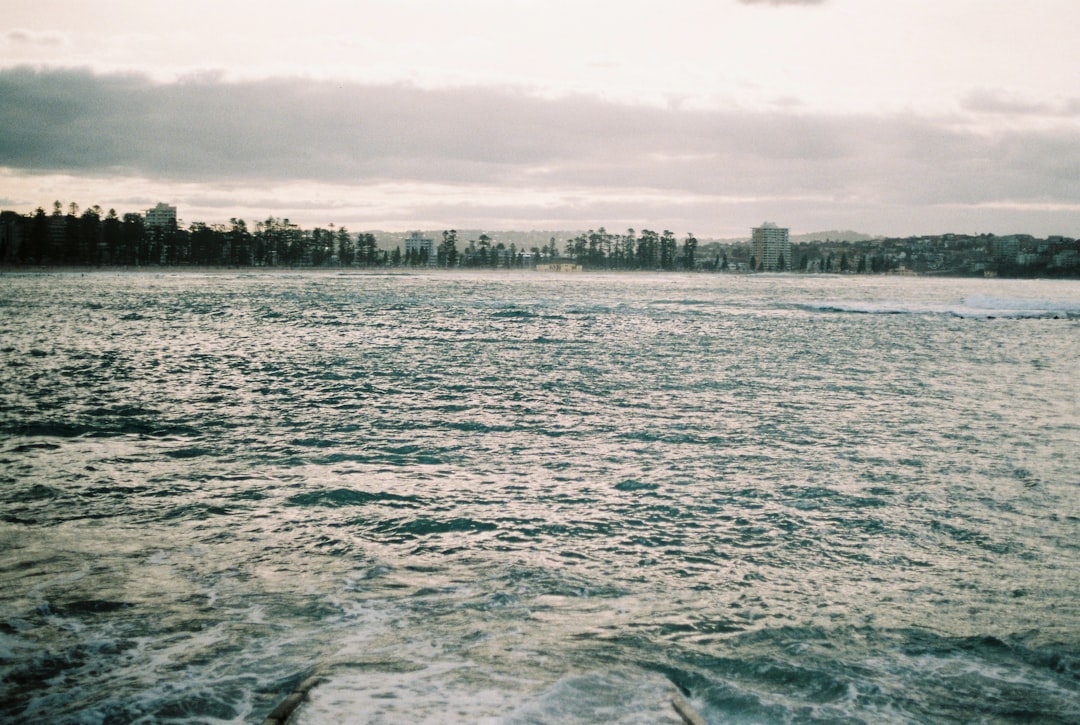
[{"x": 891, "y": 117}]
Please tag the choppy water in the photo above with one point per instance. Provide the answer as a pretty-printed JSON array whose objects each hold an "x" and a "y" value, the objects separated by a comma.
[{"x": 539, "y": 499}]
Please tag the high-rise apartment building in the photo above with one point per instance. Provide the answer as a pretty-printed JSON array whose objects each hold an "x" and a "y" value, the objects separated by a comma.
[
  {"x": 772, "y": 249},
  {"x": 421, "y": 248},
  {"x": 161, "y": 216}
]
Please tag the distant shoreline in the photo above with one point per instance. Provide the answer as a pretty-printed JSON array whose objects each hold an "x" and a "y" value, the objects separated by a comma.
[{"x": 61, "y": 270}]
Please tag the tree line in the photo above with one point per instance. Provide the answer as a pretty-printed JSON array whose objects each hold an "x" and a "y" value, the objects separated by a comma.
[
  {"x": 648, "y": 249},
  {"x": 94, "y": 237},
  {"x": 593, "y": 250},
  {"x": 97, "y": 238}
]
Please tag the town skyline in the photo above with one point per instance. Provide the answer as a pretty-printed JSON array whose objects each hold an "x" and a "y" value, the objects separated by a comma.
[
  {"x": 887, "y": 118},
  {"x": 92, "y": 237}
]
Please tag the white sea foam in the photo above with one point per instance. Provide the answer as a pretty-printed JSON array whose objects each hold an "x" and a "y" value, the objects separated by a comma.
[
  {"x": 977, "y": 306},
  {"x": 447, "y": 692},
  {"x": 1021, "y": 307}
]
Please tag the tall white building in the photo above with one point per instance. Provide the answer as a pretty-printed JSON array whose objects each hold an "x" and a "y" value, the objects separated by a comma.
[
  {"x": 772, "y": 249},
  {"x": 417, "y": 243},
  {"x": 161, "y": 216}
]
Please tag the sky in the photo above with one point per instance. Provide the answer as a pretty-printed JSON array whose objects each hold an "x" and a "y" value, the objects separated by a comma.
[{"x": 888, "y": 117}]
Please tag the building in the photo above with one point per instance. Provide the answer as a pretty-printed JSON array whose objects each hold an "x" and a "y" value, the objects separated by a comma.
[
  {"x": 161, "y": 216},
  {"x": 772, "y": 249},
  {"x": 1005, "y": 249},
  {"x": 422, "y": 249}
]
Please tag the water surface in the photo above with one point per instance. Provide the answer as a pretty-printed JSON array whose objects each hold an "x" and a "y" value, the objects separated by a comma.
[{"x": 529, "y": 498}]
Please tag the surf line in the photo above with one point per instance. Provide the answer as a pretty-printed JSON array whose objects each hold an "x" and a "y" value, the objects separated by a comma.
[{"x": 285, "y": 709}]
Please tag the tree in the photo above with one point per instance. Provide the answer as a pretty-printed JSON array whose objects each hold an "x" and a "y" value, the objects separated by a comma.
[
  {"x": 781, "y": 263},
  {"x": 577, "y": 248},
  {"x": 346, "y": 250},
  {"x": 111, "y": 235},
  {"x": 483, "y": 251},
  {"x": 448, "y": 252},
  {"x": 239, "y": 242},
  {"x": 133, "y": 241},
  {"x": 629, "y": 244},
  {"x": 204, "y": 244},
  {"x": 689, "y": 250},
  {"x": 318, "y": 245},
  {"x": 667, "y": 247},
  {"x": 367, "y": 249},
  {"x": 37, "y": 249},
  {"x": 647, "y": 246},
  {"x": 70, "y": 250},
  {"x": 89, "y": 237}
]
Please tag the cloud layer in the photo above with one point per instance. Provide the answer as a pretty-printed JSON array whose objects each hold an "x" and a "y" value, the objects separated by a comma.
[
  {"x": 782, "y": 2},
  {"x": 287, "y": 131}
]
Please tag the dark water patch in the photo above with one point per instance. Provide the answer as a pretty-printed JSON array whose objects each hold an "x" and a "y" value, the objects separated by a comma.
[
  {"x": 35, "y": 492},
  {"x": 335, "y": 498},
  {"x": 635, "y": 485},
  {"x": 70, "y": 429},
  {"x": 555, "y": 532},
  {"x": 514, "y": 313},
  {"x": 45, "y": 429},
  {"x": 117, "y": 490},
  {"x": 25, "y": 447},
  {"x": 196, "y": 512},
  {"x": 32, "y": 673},
  {"x": 811, "y": 498},
  {"x": 684, "y": 303},
  {"x": 475, "y": 426},
  {"x": 188, "y": 452},
  {"x": 85, "y": 607},
  {"x": 424, "y": 527},
  {"x": 981, "y": 540},
  {"x": 201, "y": 706},
  {"x": 121, "y": 411}
]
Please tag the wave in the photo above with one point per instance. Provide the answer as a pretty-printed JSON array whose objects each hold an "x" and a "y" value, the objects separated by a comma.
[
  {"x": 1020, "y": 307},
  {"x": 973, "y": 306}
]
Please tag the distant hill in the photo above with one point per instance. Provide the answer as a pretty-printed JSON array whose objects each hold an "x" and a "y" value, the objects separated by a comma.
[
  {"x": 834, "y": 235},
  {"x": 523, "y": 240},
  {"x": 537, "y": 238}
]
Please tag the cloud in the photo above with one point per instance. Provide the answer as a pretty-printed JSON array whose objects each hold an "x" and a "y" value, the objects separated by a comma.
[
  {"x": 1000, "y": 102},
  {"x": 782, "y": 2},
  {"x": 21, "y": 36},
  {"x": 480, "y": 149}
]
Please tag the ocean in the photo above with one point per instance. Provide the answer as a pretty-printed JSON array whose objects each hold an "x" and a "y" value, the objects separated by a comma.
[{"x": 538, "y": 498}]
